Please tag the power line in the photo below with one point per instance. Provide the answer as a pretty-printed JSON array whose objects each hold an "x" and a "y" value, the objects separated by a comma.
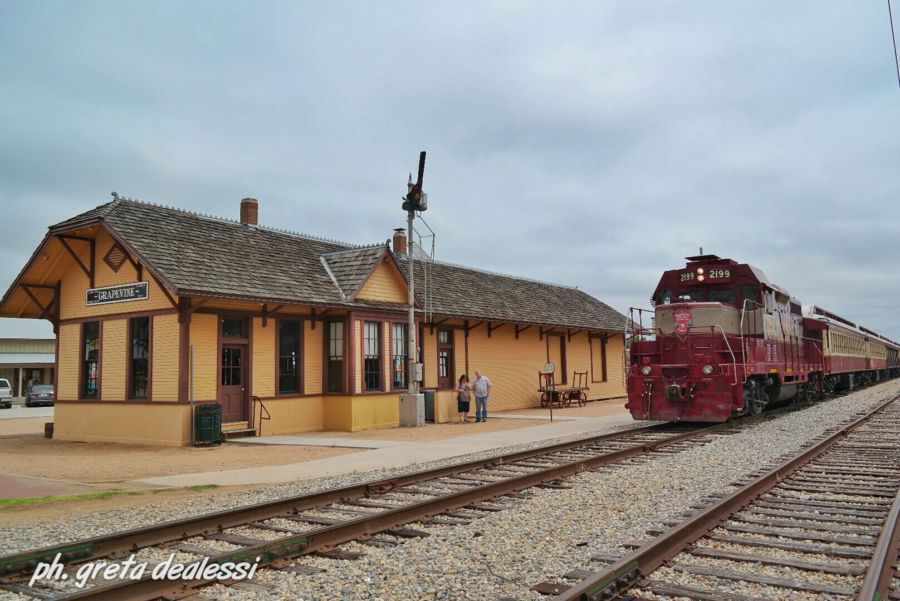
[{"x": 894, "y": 40}]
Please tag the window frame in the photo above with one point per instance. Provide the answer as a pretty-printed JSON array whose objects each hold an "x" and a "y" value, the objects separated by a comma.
[
  {"x": 603, "y": 339},
  {"x": 326, "y": 359},
  {"x": 451, "y": 364},
  {"x": 393, "y": 325},
  {"x": 82, "y": 379},
  {"x": 129, "y": 380},
  {"x": 278, "y": 356},
  {"x": 378, "y": 328}
]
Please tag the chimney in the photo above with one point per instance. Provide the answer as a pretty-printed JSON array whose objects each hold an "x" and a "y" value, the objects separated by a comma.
[
  {"x": 249, "y": 211},
  {"x": 400, "y": 241}
]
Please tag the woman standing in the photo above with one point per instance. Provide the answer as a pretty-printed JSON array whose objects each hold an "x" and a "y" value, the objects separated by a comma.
[{"x": 463, "y": 397}]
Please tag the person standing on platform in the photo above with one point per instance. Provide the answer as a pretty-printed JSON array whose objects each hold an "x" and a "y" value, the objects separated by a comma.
[
  {"x": 463, "y": 398},
  {"x": 482, "y": 388}
]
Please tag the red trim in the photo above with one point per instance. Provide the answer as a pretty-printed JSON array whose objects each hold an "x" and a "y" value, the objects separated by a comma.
[
  {"x": 300, "y": 354},
  {"x": 128, "y": 353}
]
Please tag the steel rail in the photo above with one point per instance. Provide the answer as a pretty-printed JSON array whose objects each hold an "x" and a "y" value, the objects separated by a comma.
[
  {"x": 277, "y": 551},
  {"x": 122, "y": 543},
  {"x": 622, "y": 574},
  {"x": 877, "y": 582}
]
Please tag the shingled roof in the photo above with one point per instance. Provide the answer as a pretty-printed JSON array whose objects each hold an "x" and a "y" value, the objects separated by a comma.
[{"x": 209, "y": 256}]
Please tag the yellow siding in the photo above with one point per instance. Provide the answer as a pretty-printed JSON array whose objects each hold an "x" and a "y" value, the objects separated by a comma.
[
  {"x": 429, "y": 350},
  {"x": 385, "y": 285},
  {"x": 69, "y": 362},
  {"x": 75, "y": 282},
  {"x": 114, "y": 359},
  {"x": 356, "y": 351},
  {"x": 313, "y": 357},
  {"x": 204, "y": 338},
  {"x": 512, "y": 365},
  {"x": 298, "y": 414},
  {"x": 376, "y": 411},
  {"x": 165, "y": 358},
  {"x": 337, "y": 413},
  {"x": 459, "y": 358},
  {"x": 165, "y": 424},
  {"x": 263, "y": 381},
  {"x": 361, "y": 412}
]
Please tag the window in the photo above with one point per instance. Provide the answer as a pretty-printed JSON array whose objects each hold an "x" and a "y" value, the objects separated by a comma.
[
  {"x": 232, "y": 369},
  {"x": 598, "y": 358},
  {"x": 334, "y": 345},
  {"x": 690, "y": 296},
  {"x": 289, "y": 356},
  {"x": 445, "y": 359},
  {"x": 139, "y": 350},
  {"x": 372, "y": 355},
  {"x": 750, "y": 292},
  {"x": 726, "y": 296},
  {"x": 90, "y": 368},
  {"x": 665, "y": 297},
  {"x": 233, "y": 328},
  {"x": 399, "y": 354}
]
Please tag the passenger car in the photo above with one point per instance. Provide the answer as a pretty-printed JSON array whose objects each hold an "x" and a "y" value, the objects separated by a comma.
[
  {"x": 5, "y": 394},
  {"x": 40, "y": 394}
]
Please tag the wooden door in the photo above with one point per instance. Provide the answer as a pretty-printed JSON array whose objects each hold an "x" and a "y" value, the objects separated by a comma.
[{"x": 233, "y": 386}]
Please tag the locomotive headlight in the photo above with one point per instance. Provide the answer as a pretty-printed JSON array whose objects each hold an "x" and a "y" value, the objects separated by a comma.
[
  {"x": 646, "y": 370},
  {"x": 699, "y": 278},
  {"x": 707, "y": 369},
  {"x": 700, "y": 270}
]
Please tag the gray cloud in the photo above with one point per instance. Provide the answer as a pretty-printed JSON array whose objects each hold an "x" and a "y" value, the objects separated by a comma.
[{"x": 583, "y": 143}]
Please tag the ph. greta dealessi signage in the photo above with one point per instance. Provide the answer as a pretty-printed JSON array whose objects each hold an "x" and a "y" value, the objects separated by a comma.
[{"x": 118, "y": 294}]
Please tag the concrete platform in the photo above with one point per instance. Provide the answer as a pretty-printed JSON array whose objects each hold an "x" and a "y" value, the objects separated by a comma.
[
  {"x": 317, "y": 442},
  {"x": 393, "y": 456}
]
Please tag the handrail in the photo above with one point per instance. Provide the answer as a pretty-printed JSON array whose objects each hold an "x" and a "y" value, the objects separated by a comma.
[
  {"x": 733, "y": 359},
  {"x": 263, "y": 409}
]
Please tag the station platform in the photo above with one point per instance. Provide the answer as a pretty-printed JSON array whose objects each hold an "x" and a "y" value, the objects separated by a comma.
[{"x": 392, "y": 455}]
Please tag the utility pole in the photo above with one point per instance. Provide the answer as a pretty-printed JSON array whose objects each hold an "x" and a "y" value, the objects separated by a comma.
[{"x": 412, "y": 404}]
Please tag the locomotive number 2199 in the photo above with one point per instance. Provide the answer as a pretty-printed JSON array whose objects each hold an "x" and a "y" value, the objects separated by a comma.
[{"x": 719, "y": 274}]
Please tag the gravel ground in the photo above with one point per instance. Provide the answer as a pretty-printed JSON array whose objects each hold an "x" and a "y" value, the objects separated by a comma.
[{"x": 505, "y": 553}]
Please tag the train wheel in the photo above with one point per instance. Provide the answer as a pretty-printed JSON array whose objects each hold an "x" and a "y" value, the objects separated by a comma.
[{"x": 759, "y": 402}]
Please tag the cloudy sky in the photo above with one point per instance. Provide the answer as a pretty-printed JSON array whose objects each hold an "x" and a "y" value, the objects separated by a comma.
[{"x": 584, "y": 143}]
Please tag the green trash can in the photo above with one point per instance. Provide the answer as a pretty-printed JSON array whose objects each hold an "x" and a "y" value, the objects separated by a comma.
[
  {"x": 429, "y": 405},
  {"x": 208, "y": 424}
]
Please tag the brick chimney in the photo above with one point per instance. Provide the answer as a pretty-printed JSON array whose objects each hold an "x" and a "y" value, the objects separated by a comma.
[
  {"x": 249, "y": 211},
  {"x": 400, "y": 241}
]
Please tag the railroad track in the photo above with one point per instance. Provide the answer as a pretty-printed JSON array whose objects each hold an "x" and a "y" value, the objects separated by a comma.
[
  {"x": 821, "y": 525},
  {"x": 374, "y": 513}
]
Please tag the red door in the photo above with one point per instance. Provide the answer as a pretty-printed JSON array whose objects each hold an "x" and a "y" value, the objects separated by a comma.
[{"x": 232, "y": 392}]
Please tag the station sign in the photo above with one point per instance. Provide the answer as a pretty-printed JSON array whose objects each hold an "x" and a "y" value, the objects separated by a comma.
[{"x": 118, "y": 294}]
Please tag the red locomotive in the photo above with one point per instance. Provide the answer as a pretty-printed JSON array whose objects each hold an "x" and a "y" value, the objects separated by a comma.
[{"x": 725, "y": 341}]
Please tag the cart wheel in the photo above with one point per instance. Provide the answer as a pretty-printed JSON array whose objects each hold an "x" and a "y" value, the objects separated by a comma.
[
  {"x": 566, "y": 400},
  {"x": 545, "y": 398},
  {"x": 582, "y": 399}
]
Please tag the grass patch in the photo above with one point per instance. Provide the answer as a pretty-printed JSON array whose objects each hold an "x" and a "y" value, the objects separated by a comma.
[
  {"x": 25, "y": 501},
  {"x": 93, "y": 496},
  {"x": 202, "y": 487}
]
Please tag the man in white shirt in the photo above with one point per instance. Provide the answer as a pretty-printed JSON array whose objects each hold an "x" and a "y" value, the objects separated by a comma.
[{"x": 482, "y": 388}]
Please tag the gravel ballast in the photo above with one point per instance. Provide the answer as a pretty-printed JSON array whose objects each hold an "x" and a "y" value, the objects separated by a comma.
[{"x": 505, "y": 553}]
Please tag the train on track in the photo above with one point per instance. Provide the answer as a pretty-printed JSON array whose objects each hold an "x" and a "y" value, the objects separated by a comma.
[{"x": 724, "y": 341}]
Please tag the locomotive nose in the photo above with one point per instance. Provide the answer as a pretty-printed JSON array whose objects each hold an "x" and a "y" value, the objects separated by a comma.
[{"x": 673, "y": 392}]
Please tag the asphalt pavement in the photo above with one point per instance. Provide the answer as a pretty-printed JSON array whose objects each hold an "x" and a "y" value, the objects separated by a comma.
[{"x": 21, "y": 411}]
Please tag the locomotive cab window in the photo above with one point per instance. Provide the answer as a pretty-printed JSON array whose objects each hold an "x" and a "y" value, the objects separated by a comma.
[
  {"x": 727, "y": 296},
  {"x": 691, "y": 296},
  {"x": 750, "y": 292},
  {"x": 665, "y": 297}
]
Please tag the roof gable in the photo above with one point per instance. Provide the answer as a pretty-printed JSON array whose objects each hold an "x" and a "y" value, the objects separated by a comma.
[{"x": 385, "y": 283}]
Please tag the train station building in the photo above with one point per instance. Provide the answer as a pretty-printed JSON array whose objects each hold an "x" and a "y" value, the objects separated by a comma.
[{"x": 156, "y": 308}]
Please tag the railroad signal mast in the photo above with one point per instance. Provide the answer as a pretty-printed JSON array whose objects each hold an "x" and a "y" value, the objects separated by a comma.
[{"x": 415, "y": 200}]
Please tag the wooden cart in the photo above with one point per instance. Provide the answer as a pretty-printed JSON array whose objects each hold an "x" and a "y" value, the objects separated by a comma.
[{"x": 562, "y": 396}]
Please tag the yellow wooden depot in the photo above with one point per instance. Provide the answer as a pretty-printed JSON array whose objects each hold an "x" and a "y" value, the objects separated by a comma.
[{"x": 153, "y": 356}]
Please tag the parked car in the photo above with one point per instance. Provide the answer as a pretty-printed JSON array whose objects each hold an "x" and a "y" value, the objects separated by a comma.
[
  {"x": 40, "y": 394},
  {"x": 5, "y": 394}
]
